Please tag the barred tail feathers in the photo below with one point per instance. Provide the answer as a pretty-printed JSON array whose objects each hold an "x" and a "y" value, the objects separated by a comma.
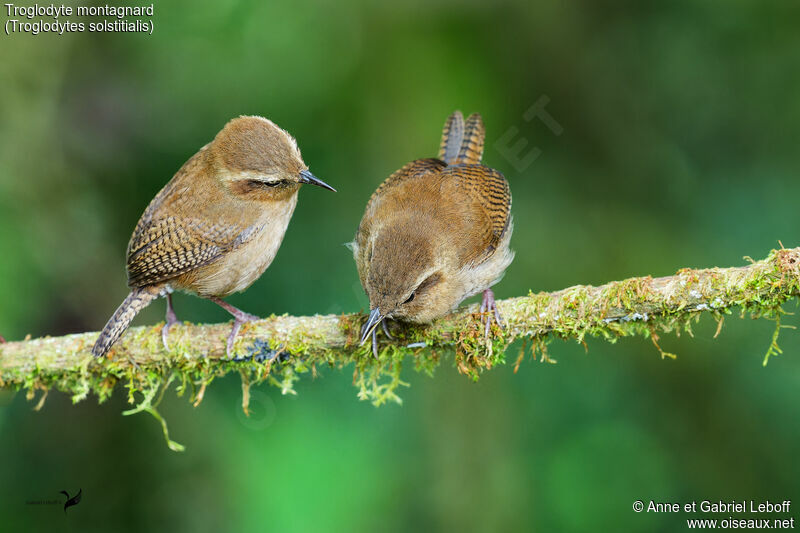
[
  {"x": 452, "y": 136},
  {"x": 138, "y": 299},
  {"x": 471, "y": 149}
]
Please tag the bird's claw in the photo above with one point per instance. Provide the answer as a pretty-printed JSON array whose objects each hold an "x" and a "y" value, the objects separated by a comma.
[
  {"x": 488, "y": 310},
  {"x": 386, "y": 330},
  {"x": 239, "y": 318},
  {"x": 247, "y": 317},
  {"x": 165, "y": 330},
  {"x": 238, "y": 322},
  {"x": 169, "y": 321},
  {"x": 374, "y": 336}
]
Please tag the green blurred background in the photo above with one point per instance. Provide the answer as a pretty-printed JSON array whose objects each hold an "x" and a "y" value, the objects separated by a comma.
[{"x": 680, "y": 123}]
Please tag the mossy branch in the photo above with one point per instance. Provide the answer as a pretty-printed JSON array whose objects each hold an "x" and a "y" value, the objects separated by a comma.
[{"x": 645, "y": 306}]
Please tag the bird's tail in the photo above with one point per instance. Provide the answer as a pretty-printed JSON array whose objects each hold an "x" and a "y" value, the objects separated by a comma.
[
  {"x": 462, "y": 143},
  {"x": 452, "y": 134},
  {"x": 137, "y": 300}
]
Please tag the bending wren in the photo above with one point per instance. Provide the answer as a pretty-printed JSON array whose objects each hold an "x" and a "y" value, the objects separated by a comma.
[
  {"x": 216, "y": 226},
  {"x": 435, "y": 232}
]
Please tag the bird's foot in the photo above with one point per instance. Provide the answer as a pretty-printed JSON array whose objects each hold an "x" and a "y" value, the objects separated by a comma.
[
  {"x": 374, "y": 336},
  {"x": 238, "y": 322},
  {"x": 417, "y": 345},
  {"x": 239, "y": 318},
  {"x": 169, "y": 321},
  {"x": 489, "y": 309},
  {"x": 2, "y": 340},
  {"x": 386, "y": 329}
]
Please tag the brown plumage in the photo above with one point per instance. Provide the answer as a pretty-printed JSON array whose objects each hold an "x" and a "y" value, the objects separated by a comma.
[
  {"x": 216, "y": 226},
  {"x": 436, "y": 232}
]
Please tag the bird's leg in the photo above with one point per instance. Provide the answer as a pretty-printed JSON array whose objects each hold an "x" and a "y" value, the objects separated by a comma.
[
  {"x": 488, "y": 306},
  {"x": 482, "y": 310},
  {"x": 170, "y": 319},
  {"x": 239, "y": 318},
  {"x": 2, "y": 340},
  {"x": 497, "y": 317}
]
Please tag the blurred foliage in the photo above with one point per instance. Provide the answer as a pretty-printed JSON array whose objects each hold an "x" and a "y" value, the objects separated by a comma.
[{"x": 680, "y": 123}]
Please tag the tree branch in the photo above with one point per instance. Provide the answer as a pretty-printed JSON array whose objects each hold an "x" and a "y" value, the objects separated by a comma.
[{"x": 644, "y": 306}]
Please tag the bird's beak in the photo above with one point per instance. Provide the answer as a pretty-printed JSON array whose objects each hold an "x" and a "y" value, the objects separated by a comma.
[
  {"x": 308, "y": 177},
  {"x": 374, "y": 319}
]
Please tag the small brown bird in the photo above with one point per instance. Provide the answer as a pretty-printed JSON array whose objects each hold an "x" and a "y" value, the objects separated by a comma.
[
  {"x": 216, "y": 226},
  {"x": 435, "y": 232}
]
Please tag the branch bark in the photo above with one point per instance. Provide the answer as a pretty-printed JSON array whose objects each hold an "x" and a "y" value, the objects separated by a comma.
[{"x": 643, "y": 305}]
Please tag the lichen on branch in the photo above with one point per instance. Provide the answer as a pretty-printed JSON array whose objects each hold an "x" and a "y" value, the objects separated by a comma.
[{"x": 637, "y": 306}]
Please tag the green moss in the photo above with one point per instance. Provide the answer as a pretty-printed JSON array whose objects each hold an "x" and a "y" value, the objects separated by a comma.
[{"x": 633, "y": 307}]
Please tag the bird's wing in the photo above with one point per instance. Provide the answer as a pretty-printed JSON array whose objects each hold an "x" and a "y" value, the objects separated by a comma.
[
  {"x": 421, "y": 168},
  {"x": 185, "y": 227},
  {"x": 167, "y": 247},
  {"x": 482, "y": 198}
]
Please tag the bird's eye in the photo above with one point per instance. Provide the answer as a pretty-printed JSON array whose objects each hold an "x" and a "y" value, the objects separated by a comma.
[
  {"x": 259, "y": 184},
  {"x": 410, "y": 298}
]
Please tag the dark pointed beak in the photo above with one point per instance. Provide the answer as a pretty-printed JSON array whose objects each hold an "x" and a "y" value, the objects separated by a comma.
[
  {"x": 308, "y": 177},
  {"x": 374, "y": 319}
]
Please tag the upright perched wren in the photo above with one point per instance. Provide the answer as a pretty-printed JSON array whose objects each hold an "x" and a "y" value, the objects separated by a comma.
[
  {"x": 435, "y": 232},
  {"x": 216, "y": 226}
]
